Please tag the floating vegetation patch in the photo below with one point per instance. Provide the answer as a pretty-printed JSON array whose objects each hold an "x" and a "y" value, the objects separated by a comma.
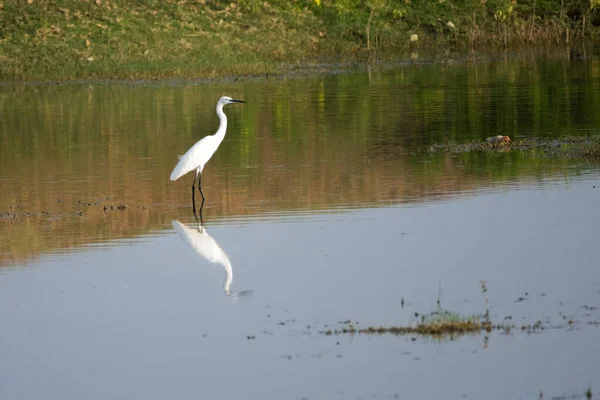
[
  {"x": 440, "y": 323},
  {"x": 572, "y": 147},
  {"x": 588, "y": 394},
  {"x": 445, "y": 324}
]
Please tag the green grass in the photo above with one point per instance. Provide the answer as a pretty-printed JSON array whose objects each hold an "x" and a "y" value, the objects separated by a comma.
[
  {"x": 100, "y": 39},
  {"x": 72, "y": 40}
]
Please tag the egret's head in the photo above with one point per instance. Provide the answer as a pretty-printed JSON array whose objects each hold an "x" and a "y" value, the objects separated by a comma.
[
  {"x": 506, "y": 139},
  {"x": 228, "y": 100}
]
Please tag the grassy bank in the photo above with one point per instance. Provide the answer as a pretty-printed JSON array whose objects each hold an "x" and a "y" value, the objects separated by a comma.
[{"x": 65, "y": 40}]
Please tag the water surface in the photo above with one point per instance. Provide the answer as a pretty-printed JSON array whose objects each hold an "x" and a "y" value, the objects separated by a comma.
[{"x": 321, "y": 208}]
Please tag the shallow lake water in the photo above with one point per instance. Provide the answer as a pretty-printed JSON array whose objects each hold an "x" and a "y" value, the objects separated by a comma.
[{"x": 324, "y": 209}]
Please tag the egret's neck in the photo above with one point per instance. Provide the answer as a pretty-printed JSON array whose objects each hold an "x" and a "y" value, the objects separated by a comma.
[{"x": 223, "y": 124}]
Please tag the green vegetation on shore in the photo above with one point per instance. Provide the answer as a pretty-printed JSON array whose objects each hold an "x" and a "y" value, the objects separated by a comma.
[{"x": 67, "y": 39}]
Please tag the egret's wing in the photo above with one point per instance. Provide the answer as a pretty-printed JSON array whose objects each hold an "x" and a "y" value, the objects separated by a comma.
[{"x": 195, "y": 157}]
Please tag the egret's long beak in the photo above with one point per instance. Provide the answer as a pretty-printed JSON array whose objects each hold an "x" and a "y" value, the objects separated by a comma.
[{"x": 237, "y": 101}]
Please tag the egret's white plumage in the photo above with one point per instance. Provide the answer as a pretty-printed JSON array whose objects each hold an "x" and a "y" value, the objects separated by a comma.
[{"x": 199, "y": 154}]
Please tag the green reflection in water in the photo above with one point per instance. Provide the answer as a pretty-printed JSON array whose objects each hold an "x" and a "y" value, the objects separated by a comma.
[{"x": 343, "y": 140}]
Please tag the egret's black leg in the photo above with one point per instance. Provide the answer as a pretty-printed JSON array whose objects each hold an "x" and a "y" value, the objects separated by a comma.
[
  {"x": 201, "y": 220},
  {"x": 194, "y": 196},
  {"x": 194, "y": 203},
  {"x": 200, "y": 189}
]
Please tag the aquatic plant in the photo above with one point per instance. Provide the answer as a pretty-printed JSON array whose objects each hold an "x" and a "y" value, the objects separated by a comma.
[
  {"x": 444, "y": 324},
  {"x": 571, "y": 147}
]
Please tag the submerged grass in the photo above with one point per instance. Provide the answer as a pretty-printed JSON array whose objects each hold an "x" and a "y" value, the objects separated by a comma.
[
  {"x": 438, "y": 324},
  {"x": 443, "y": 324},
  {"x": 588, "y": 394}
]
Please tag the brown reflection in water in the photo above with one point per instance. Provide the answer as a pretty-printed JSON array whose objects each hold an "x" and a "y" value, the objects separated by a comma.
[
  {"x": 151, "y": 204},
  {"x": 71, "y": 151}
]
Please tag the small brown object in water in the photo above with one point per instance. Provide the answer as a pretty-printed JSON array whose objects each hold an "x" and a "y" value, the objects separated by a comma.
[{"x": 498, "y": 140}]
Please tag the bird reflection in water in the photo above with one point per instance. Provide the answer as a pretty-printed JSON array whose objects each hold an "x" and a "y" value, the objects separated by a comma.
[{"x": 205, "y": 246}]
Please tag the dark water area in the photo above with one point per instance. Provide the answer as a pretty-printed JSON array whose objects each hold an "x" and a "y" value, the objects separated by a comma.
[{"x": 323, "y": 207}]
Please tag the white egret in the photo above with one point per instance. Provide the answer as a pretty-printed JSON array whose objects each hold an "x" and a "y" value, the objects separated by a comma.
[{"x": 199, "y": 154}]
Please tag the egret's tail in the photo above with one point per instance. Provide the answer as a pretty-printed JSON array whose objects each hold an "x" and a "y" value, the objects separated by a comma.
[{"x": 179, "y": 170}]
